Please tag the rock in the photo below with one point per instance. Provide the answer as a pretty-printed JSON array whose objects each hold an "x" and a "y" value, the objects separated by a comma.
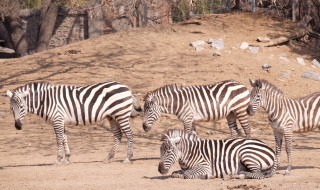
[
  {"x": 311, "y": 75},
  {"x": 198, "y": 45},
  {"x": 199, "y": 48},
  {"x": 284, "y": 74},
  {"x": 266, "y": 67},
  {"x": 284, "y": 57},
  {"x": 300, "y": 61},
  {"x": 263, "y": 39},
  {"x": 254, "y": 49},
  {"x": 244, "y": 45},
  {"x": 217, "y": 44},
  {"x": 315, "y": 63}
]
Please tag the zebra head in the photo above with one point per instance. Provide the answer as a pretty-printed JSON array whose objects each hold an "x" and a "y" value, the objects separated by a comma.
[
  {"x": 255, "y": 96},
  {"x": 18, "y": 106},
  {"x": 152, "y": 111},
  {"x": 169, "y": 153}
]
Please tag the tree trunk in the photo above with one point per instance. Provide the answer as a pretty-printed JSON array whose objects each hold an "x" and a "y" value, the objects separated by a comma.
[{"x": 49, "y": 12}]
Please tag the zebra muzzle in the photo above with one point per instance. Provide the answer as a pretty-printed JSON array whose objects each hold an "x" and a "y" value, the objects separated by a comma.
[
  {"x": 18, "y": 124},
  {"x": 162, "y": 169},
  {"x": 146, "y": 127}
]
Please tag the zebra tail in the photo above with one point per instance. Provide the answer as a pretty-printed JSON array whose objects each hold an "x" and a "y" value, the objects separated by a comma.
[{"x": 136, "y": 108}]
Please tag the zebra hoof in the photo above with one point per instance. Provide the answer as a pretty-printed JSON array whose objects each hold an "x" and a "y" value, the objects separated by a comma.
[
  {"x": 106, "y": 161},
  {"x": 58, "y": 163},
  {"x": 287, "y": 173},
  {"x": 126, "y": 161},
  {"x": 241, "y": 176}
]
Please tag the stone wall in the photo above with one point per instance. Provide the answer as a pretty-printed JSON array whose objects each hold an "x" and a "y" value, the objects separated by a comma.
[{"x": 70, "y": 27}]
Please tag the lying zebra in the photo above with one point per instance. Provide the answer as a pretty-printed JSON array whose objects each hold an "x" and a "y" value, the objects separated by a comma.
[
  {"x": 203, "y": 159},
  {"x": 85, "y": 105}
]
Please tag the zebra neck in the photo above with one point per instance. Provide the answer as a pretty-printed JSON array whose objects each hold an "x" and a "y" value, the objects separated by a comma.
[
  {"x": 273, "y": 103},
  {"x": 187, "y": 150},
  {"x": 172, "y": 102},
  {"x": 35, "y": 103}
]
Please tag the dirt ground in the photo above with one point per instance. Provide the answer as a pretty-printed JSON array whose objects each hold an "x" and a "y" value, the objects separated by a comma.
[{"x": 145, "y": 59}]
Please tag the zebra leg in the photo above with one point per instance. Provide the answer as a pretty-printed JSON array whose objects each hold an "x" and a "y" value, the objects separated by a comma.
[
  {"x": 177, "y": 174},
  {"x": 252, "y": 175},
  {"x": 244, "y": 122},
  {"x": 187, "y": 119},
  {"x": 288, "y": 141},
  {"x": 59, "y": 131},
  {"x": 232, "y": 123},
  {"x": 197, "y": 172},
  {"x": 117, "y": 134},
  {"x": 125, "y": 127},
  {"x": 66, "y": 148},
  {"x": 278, "y": 137}
]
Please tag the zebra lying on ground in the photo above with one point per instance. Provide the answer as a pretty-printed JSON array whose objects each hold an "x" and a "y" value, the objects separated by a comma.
[
  {"x": 206, "y": 102},
  {"x": 202, "y": 158},
  {"x": 60, "y": 105},
  {"x": 285, "y": 114}
]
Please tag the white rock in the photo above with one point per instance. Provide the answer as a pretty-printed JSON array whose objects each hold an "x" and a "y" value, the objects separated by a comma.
[
  {"x": 316, "y": 63},
  {"x": 217, "y": 44},
  {"x": 300, "y": 61},
  {"x": 198, "y": 43},
  {"x": 244, "y": 45},
  {"x": 254, "y": 49}
]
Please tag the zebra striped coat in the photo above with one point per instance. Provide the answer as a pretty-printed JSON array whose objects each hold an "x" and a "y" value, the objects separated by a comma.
[
  {"x": 201, "y": 158},
  {"x": 77, "y": 105},
  {"x": 285, "y": 114},
  {"x": 226, "y": 99}
]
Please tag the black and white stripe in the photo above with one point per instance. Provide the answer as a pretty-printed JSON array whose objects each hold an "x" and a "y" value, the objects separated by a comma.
[
  {"x": 226, "y": 99},
  {"x": 77, "y": 105},
  {"x": 285, "y": 114},
  {"x": 202, "y": 158}
]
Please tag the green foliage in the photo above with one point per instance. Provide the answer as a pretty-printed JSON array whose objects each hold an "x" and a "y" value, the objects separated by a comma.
[
  {"x": 30, "y": 4},
  {"x": 182, "y": 10}
]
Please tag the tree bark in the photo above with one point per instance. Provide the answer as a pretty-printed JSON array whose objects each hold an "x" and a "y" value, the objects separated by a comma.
[{"x": 49, "y": 14}]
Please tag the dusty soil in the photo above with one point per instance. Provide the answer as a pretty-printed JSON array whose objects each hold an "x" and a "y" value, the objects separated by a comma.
[{"x": 145, "y": 59}]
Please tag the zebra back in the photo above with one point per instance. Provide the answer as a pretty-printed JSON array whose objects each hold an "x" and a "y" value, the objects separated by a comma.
[{"x": 174, "y": 133}]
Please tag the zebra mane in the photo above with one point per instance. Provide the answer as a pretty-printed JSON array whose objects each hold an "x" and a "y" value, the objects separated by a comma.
[
  {"x": 168, "y": 87},
  {"x": 35, "y": 86},
  {"x": 267, "y": 85},
  {"x": 173, "y": 133}
]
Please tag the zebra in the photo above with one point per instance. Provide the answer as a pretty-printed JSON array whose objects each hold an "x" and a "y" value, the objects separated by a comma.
[
  {"x": 205, "y": 159},
  {"x": 61, "y": 105},
  {"x": 286, "y": 115},
  {"x": 202, "y": 102}
]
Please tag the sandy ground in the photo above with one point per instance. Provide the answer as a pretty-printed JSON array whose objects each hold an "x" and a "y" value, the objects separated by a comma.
[{"x": 145, "y": 59}]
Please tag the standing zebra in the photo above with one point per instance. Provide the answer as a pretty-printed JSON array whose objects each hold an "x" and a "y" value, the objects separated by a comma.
[
  {"x": 60, "y": 105},
  {"x": 202, "y": 158},
  {"x": 206, "y": 102},
  {"x": 285, "y": 114}
]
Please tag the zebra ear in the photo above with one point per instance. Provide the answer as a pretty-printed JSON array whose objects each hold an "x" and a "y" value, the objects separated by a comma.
[
  {"x": 259, "y": 84},
  {"x": 164, "y": 137},
  {"x": 9, "y": 93},
  {"x": 252, "y": 83}
]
